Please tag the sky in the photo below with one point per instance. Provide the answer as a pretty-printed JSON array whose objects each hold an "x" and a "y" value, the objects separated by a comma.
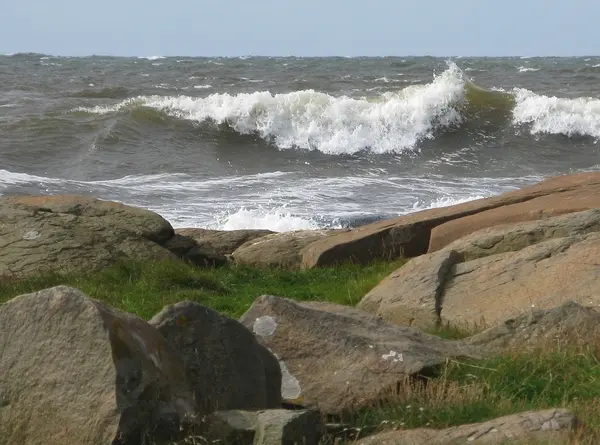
[{"x": 301, "y": 27}]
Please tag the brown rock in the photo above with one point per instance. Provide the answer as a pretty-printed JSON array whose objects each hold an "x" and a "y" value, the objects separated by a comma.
[
  {"x": 554, "y": 204},
  {"x": 567, "y": 325},
  {"x": 185, "y": 248},
  {"x": 488, "y": 290},
  {"x": 65, "y": 234},
  {"x": 411, "y": 295},
  {"x": 221, "y": 242},
  {"x": 77, "y": 372},
  {"x": 336, "y": 358},
  {"x": 226, "y": 366},
  {"x": 410, "y": 235},
  {"x": 280, "y": 250},
  {"x": 494, "y": 274},
  {"x": 513, "y": 237},
  {"x": 555, "y": 425}
]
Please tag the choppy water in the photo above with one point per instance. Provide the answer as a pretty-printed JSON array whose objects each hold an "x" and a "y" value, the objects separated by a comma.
[{"x": 290, "y": 143}]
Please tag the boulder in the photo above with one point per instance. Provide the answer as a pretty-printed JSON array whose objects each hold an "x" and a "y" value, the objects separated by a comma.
[
  {"x": 412, "y": 294},
  {"x": 415, "y": 234},
  {"x": 531, "y": 427},
  {"x": 64, "y": 234},
  {"x": 486, "y": 291},
  {"x": 495, "y": 274},
  {"x": 553, "y": 204},
  {"x": 268, "y": 427},
  {"x": 337, "y": 359},
  {"x": 568, "y": 325},
  {"x": 513, "y": 237},
  {"x": 281, "y": 250},
  {"x": 226, "y": 366},
  {"x": 77, "y": 372},
  {"x": 185, "y": 248},
  {"x": 221, "y": 242}
]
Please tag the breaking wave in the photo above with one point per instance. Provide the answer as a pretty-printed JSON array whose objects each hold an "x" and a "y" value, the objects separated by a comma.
[{"x": 393, "y": 122}]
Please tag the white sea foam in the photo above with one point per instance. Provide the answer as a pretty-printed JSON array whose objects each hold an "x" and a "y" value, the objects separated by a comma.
[
  {"x": 151, "y": 57},
  {"x": 444, "y": 201},
  {"x": 526, "y": 69},
  {"x": 202, "y": 87},
  {"x": 553, "y": 115},
  {"x": 278, "y": 220},
  {"x": 395, "y": 122}
]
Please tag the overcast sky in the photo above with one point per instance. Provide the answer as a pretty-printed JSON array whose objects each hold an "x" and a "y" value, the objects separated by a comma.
[{"x": 301, "y": 27}]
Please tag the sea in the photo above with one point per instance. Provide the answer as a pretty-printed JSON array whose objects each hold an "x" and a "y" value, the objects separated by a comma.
[{"x": 288, "y": 143}]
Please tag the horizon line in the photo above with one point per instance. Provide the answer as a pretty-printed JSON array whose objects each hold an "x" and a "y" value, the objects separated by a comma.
[{"x": 289, "y": 56}]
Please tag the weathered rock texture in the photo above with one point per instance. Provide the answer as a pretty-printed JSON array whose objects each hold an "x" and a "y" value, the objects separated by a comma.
[
  {"x": 69, "y": 233},
  {"x": 336, "y": 358},
  {"x": 74, "y": 371},
  {"x": 224, "y": 362},
  {"x": 495, "y": 274},
  {"x": 269, "y": 427},
  {"x": 565, "y": 326},
  {"x": 278, "y": 249},
  {"x": 430, "y": 230},
  {"x": 221, "y": 242},
  {"x": 555, "y": 425}
]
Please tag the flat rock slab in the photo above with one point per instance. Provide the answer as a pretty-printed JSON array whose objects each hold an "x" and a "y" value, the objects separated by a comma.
[
  {"x": 336, "y": 358},
  {"x": 555, "y": 425},
  {"x": 486, "y": 291},
  {"x": 279, "y": 250},
  {"x": 495, "y": 274},
  {"x": 221, "y": 242},
  {"x": 554, "y": 204},
  {"x": 415, "y": 234},
  {"x": 513, "y": 237},
  {"x": 226, "y": 366},
  {"x": 74, "y": 371},
  {"x": 65, "y": 234}
]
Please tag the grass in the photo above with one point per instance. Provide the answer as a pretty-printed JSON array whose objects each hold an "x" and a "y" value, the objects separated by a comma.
[
  {"x": 145, "y": 288},
  {"x": 463, "y": 392}
]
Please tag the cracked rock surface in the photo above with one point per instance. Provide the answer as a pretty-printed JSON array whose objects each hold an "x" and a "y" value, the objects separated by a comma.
[{"x": 495, "y": 274}]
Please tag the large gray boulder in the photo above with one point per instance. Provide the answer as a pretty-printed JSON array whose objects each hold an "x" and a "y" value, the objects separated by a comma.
[
  {"x": 75, "y": 372},
  {"x": 336, "y": 358},
  {"x": 65, "y": 234},
  {"x": 224, "y": 362}
]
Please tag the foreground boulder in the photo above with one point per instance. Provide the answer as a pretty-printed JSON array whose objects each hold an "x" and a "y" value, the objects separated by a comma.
[
  {"x": 565, "y": 326},
  {"x": 221, "y": 242},
  {"x": 495, "y": 274},
  {"x": 555, "y": 425},
  {"x": 225, "y": 364},
  {"x": 281, "y": 250},
  {"x": 336, "y": 358},
  {"x": 77, "y": 372},
  {"x": 430, "y": 230}
]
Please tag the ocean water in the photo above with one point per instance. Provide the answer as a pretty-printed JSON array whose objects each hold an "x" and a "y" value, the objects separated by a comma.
[{"x": 292, "y": 143}]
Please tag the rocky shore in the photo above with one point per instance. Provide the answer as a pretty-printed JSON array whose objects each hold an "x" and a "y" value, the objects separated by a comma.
[{"x": 518, "y": 270}]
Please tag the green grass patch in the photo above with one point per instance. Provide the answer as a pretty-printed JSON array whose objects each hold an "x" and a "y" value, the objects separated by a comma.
[
  {"x": 476, "y": 391},
  {"x": 145, "y": 288}
]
